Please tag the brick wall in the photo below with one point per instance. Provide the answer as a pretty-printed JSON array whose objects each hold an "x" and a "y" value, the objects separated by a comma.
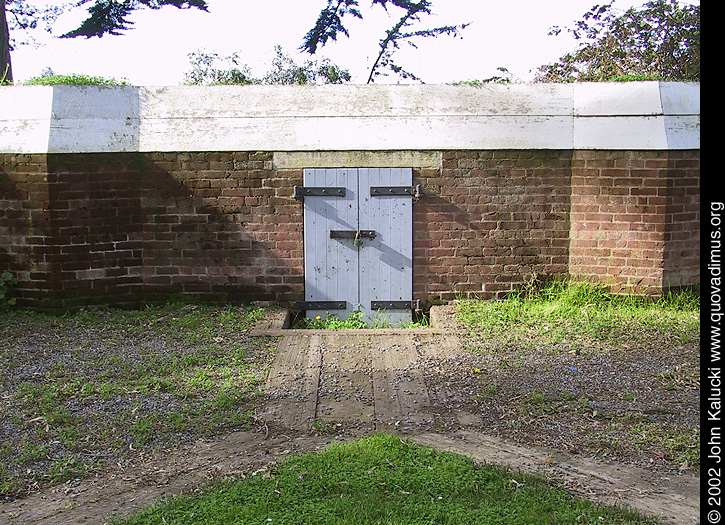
[
  {"x": 25, "y": 226},
  {"x": 635, "y": 219},
  {"x": 124, "y": 228},
  {"x": 120, "y": 229},
  {"x": 223, "y": 226},
  {"x": 682, "y": 222},
  {"x": 489, "y": 221}
]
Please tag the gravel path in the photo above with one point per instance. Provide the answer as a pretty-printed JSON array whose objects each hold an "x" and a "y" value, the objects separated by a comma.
[{"x": 608, "y": 426}]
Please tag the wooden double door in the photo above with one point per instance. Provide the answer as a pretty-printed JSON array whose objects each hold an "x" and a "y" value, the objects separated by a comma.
[{"x": 358, "y": 235}]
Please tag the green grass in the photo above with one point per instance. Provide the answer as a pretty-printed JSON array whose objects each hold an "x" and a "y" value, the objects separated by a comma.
[
  {"x": 129, "y": 379},
  {"x": 383, "y": 479},
  {"x": 578, "y": 313}
]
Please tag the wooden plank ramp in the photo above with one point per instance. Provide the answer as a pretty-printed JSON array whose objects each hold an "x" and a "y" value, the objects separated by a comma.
[
  {"x": 293, "y": 381},
  {"x": 372, "y": 380}
]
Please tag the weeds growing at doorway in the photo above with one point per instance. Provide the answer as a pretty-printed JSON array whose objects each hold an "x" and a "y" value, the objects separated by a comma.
[
  {"x": 384, "y": 479},
  {"x": 356, "y": 322}
]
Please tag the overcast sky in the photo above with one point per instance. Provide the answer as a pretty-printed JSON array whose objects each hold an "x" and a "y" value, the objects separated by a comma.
[{"x": 511, "y": 34}]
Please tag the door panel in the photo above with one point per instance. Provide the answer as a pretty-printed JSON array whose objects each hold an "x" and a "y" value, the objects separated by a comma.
[
  {"x": 331, "y": 265},
  {"x": 359, "y": 270},
  {"x": 386, "y": 262}
]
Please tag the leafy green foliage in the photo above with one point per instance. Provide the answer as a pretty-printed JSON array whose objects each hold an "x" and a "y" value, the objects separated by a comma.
[
  {"x": 23, "y": 15},
  {"x": 329, "y": 24},
  {"x": 355, "y": 321},
  {"x": 331, "y": 322},
  {"x": 399, "y": 34},
  {"x": 7, "y": 283},
  {"x": 48, "y": 78},
  {"x": 111, "y": 16},
  {"x": 657, "y": 41},
  {"x": 384, "y": 479},
  {"x": 506, "y": 77},
  {"x": 213, "y": 69},
  {"x": 286, "y": 71},
  {"x": 104, "y": 17}
]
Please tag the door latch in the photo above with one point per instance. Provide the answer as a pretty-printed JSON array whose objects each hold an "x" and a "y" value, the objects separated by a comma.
[{"x": 357, "y": 236}]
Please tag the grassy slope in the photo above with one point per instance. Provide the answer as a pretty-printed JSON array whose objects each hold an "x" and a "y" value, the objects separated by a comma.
[{"x": 383, "y": 479}]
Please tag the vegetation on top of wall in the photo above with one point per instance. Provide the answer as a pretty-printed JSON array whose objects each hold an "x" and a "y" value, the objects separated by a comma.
[
  {"x": 51, "y": 79},
  {"x": 213, "y": 69},
  {"x": 657, "y": 41},
  {"x": 506, "y": 77}
]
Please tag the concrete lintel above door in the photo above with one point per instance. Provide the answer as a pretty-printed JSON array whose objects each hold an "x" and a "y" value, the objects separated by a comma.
[{"x": 284, "y": 160}]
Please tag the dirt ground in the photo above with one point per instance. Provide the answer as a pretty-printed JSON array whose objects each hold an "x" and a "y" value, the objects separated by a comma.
[{"x": 479, "y": 405}]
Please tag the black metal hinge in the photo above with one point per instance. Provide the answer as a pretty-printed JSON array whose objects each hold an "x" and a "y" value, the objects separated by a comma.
[
  {"x": 300, "y": 192},
  {"x": 379, "y": 191},
  {"x": 320, "y": 305},
  {"x": 395, "y": 305}
]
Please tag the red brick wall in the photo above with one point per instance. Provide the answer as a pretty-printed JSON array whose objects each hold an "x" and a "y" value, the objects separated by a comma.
[
  {"x": 682, "y": 222},
  {"x": 94, "y": 204},
  {"x": 223, "y": 226},
  {"x": 489, "y": 221},
  {"x": 25, "y": 226},
  {"x": 635, "y": 219},
  {"x": 120, "y": 229}
]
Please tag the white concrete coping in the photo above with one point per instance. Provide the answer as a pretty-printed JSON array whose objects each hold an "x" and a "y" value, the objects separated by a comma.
[{"x": 85, "y": 119}]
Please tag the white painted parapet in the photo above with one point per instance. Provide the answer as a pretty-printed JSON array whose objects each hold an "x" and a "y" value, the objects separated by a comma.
[
  {"x": 25, "y": 115},
  {"x": 85, "y": 119}
]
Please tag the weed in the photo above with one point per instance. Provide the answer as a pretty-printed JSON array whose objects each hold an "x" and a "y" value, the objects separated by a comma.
[
  {"x": 322, "y": 427},
  {"x": 7, "y": 282},
  {"x": 332, "y": 322},
  {"x": 355, "y": 321},
  {"x": 73, "y": 79},
  {"x": 143, "y": 429},
  {"x": 538, "y": 403},
  {"x": 489, "y": 390},
  {"x": 679, "y": 444}
]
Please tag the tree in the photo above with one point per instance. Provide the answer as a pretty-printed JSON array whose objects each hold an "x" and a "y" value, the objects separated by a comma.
[
  {"x": 330, "y": 23},
  {"x": 112, "y": 17},
  {"x": 659, "y": 40},
  {"x": 210, "y": 69},
  {"x": 105, "y": 17},
  {"x": 19, "y": 15},
  {"x": 286, "y": 71},
  {"x": 6, "y": 72}
]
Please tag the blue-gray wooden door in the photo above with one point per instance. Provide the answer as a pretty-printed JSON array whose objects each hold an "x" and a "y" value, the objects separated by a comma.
[{"x": 359, "y": 271}]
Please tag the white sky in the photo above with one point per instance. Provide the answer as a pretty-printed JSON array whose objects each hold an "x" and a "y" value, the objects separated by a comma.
[{"x": 508, "y": 33}]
